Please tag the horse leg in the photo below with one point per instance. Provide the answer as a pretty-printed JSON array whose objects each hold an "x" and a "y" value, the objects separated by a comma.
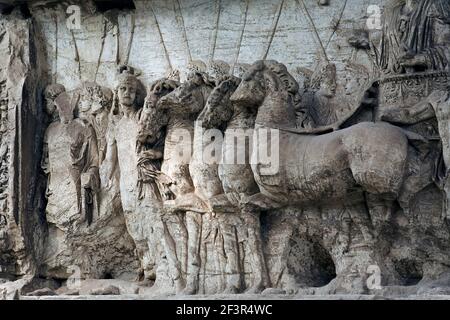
[
  {"x": 171, "y": 253},
  {"x": 446, "y": 195},
  {"x": 420, "y": 173},
  {"x": 232, "y": 272},
  {"x": 194, "y": 225},
  {"x": 255, "y": 248}
]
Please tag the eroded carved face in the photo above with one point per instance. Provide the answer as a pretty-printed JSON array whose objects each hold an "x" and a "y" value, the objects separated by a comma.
[
  {"x": 50, "y": 94},
  {"x": 65, "y": 108},
  {"x": 328, "y": 87},
  {"x": 126, "y": 93},
  {"x": 94, "y": 100}
]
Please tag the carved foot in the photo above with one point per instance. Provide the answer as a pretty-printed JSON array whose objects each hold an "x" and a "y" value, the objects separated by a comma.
[{"x": 256, "y": 289}]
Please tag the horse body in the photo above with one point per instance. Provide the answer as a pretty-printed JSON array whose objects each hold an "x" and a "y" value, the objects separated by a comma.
[{"x": 368, "y": 157}]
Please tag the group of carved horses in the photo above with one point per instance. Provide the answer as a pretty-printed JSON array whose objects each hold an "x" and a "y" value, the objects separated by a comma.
[{"x": 369, "y": 158}]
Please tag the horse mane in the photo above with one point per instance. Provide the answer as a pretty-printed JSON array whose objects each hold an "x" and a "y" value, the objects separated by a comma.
[
  {"x": 286, "y": 80},
  {"x": 164, "y": 85}
]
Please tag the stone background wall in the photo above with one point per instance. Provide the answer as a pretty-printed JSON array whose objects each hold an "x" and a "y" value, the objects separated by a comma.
[
  {"x": 294, "y": 42},
  {"x": 304, "y": 246}
]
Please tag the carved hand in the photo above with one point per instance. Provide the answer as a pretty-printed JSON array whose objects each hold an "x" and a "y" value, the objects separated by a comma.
[{"x": 151, "y": 154}]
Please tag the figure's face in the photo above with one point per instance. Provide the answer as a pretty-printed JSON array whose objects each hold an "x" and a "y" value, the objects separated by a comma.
[
  {"x": 328, "y": 87},
  {"x": 84, "y": 106},
  {"x": 127, "y": 94}
]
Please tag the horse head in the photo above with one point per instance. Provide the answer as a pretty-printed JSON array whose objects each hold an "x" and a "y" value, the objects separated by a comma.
[
  {"x": 190, "y": 97},
  {"x": 218, "y": 109},
  {"x": 152, "y": 118},
  {"x": 268, "y": 82}
]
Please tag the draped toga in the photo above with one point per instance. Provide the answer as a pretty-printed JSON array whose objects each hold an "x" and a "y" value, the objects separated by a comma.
[{"x": 418, "y": 32}]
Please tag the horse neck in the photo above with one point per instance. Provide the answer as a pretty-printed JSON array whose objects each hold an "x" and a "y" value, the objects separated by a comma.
[{"x": 276, "y": 110}]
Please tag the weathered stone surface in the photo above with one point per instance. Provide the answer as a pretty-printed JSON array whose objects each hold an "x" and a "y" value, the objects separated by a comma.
[
  {"x": 124, "y": 166},
  {"x": 42, "y": 292}
]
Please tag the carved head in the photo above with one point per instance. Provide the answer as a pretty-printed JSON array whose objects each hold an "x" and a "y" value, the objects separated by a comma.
[
  {"x": 65, "y": 107},
  {"x": 129, "y": 91},
  {"x": 50, "y": 93},
  {"x": 356, "y": 80},
  {"x": 173, "y": 75},
  {"x": 94, "y": 99},
  {"x": 262, "y": 76},
  {"x": 188, "y": 97},
  {"x": 126, "y": 90},
  {"x": 196, "y": 66},
  {"x": 324, "y": 80}
]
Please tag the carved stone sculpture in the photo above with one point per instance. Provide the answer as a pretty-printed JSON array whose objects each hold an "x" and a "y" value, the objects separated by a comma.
[
  {"x": 78, "y": 174},
  {"x": 321, "y": 169},
  {"x": 182, "y": 107},
  {"x": 141, "y": 213}
]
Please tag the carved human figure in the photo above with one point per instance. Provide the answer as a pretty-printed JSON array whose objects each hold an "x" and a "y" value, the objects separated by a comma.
[
  {"x": 322, "y": 100},
  {"x": 51, "y": 92},
  {"x": 415, "y": 36},
  {"x": 302, "y": 176},
  {"x": 414, "y": 60},
  {"x": 94, "y": 106},
  {"x": 440, "y": 102},
  {"x": 149, "y": 149},
  {"x": 71, "y": 163},
  {"x": 414, "y": 41},
  {"x": 141, "y": 209}
]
